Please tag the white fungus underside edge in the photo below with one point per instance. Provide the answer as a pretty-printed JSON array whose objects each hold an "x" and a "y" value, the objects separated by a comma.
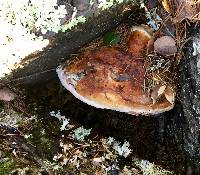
[{"x": 62, "y": 76}]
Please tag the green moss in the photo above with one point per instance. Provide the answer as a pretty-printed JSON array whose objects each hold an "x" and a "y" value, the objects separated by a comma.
[{"x": 7, "y": 167}]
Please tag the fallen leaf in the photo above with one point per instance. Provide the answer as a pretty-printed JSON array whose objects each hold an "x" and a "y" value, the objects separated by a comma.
[
  {"x": 111, "y": 38},
  {"x": 67, "y": 147},
  {"x": 157, "y": 92},
  {"x": 166, "y": 5},
  {"x": 97, "y": 161},
  {"x": 186, "y": 9},
  {"x": 161, "y": 90},
  {"x": 170, "y": 95}
]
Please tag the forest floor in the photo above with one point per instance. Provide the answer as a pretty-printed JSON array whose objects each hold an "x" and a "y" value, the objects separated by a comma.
[
  {"x": 46, "y": 130},
  {"x": 54, "y": 133}
]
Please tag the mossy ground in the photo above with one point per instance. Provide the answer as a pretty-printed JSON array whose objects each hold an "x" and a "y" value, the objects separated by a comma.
[
  {"x": 43, "y": 135},
  {"x": 7, "y": 167}
]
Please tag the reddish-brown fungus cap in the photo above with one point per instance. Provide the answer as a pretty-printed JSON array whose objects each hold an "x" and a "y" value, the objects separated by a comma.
[
  {"x": 138, "y": 40},
  {"x": 111, "y": 78}
]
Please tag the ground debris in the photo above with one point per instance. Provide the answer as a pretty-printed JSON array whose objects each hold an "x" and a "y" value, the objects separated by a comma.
[{"x": 186, "y": 10}]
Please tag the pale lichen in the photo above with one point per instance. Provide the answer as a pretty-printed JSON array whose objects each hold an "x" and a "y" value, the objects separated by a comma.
[
  {"x": 22, "y": 21},
  {"x": 149, "y": 168},
  {"x": 196, "y": 50},
  {"x": 62, "y": 118},
  {"x": 106, "y": 4},
  {"x": 81, "y": 133}
]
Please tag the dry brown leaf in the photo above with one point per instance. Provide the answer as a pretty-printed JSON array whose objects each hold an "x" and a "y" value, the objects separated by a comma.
[
  {"x": 97, "y": 161},
  {"x": 157, "y": 92},
  {"x": 166, "y": 5},
  {"x": 67, "y": 147},
  {"x": 161, "y": 90},
  {"x": 186, "y": 9},
  {"x": 170, "y": 95}
]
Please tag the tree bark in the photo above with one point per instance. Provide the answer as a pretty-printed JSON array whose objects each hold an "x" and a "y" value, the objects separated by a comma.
[
  {"x": 183, "y": 122},
  {"x": 41, "y": 66}
]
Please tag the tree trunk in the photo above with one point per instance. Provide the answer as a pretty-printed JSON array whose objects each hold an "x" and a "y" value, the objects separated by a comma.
[
  {"x": 41, "y": 66},
  {"x": 183, "y": 122}
]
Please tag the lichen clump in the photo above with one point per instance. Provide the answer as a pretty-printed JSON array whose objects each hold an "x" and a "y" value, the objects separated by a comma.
[
  {"x": 105, "y": 4},
  {"x": 23, "y": 24}
]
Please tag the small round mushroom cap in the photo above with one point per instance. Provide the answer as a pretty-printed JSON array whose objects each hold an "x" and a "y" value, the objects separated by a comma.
[
  {"x": 138, "y": 40},
  {"x": 7, "y": 95},
  {"x": 165, "y": 46}
]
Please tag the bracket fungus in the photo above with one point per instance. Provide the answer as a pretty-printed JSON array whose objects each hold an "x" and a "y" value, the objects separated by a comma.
[{"x": 113, "y": 78}]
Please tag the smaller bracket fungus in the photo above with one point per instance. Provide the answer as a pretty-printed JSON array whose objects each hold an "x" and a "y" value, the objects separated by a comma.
[{"x": 113, "y": 78}]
